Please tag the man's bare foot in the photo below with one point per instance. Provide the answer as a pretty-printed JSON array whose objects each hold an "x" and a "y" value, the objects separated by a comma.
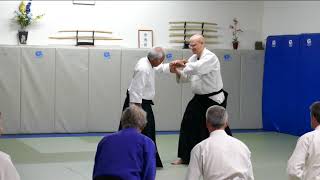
[{"x": 177, "y": 162}]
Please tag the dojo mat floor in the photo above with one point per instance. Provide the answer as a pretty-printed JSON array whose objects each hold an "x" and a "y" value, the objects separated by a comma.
[{"x": 72, "y": 157}]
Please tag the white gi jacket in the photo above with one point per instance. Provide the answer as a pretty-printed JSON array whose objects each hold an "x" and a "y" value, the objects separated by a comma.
[
  {"x": 7, "y": 169},
  {"x": 220, "y": 157},
  {"x": 204, "y": 75},
  {"x": 142, "y": 85},
  {"x": 304, "y": 162}
]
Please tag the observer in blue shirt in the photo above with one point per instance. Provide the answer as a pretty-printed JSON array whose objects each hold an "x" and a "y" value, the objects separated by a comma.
[{"x": 127, "y": 154}]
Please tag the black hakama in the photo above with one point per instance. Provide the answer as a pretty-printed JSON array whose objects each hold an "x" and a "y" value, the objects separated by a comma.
[{"x": 193, "y": 128}]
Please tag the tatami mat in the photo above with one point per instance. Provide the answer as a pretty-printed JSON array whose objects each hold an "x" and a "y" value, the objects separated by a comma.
[{"x": 71, "y": 158}]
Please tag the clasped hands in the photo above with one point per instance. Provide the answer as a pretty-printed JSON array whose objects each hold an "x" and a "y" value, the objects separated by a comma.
[{"x": 179, "y": 63}]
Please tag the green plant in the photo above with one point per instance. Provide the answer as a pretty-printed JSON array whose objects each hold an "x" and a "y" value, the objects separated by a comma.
[
  {"x": 235, "y": 30},
  {"x": 24, "y": 16}
]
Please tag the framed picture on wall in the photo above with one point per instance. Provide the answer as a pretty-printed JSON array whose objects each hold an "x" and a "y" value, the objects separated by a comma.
[
  {"x": 80, "y": 2},
  {"x": 145, "y": 38}
]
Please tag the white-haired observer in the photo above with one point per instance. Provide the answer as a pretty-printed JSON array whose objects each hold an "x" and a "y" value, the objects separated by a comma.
[
  {"x": 126, "y": 154},
  {"x": 7, "y": 169},
  {"x": 202, "y": 69},
  {"x": 220, "y": 156},
  {"x": 142, "y": 88},
  {"x": 304, "y": 163}
]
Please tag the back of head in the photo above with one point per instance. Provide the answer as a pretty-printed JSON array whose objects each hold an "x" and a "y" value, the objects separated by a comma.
[
  {"x": 156, "y": 53},
  {"x": 217, "y": 116},
  {"x": 315, "y": 110},
  {"x": 133, "y": 117}
]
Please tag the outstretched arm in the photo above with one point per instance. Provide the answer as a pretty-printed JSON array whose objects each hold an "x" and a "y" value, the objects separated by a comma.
[
  {"x": 177, "y": 67},
  {"x": 170, "y": 67}
]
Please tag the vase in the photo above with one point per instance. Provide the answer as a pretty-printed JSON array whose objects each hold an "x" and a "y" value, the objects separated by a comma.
[
  {"x": 22, "y": 36},
  {"x": 235, "y": 44}
]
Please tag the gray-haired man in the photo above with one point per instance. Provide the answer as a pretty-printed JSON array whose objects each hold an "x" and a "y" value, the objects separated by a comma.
[
  {"x": 203, "y": 71},
  {"x": 142, "y": 88},
  {"x": 126, "y": 154},
  {"x": 304, "y": 161},
  {"x": 220, "y": 156}
]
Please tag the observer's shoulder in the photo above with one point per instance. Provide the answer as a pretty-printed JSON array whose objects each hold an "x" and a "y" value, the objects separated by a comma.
[{"x": 4, "y": 157}]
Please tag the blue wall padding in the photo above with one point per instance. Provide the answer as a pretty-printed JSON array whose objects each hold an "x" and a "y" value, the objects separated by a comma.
[
  {"x": 272, "y": 54},
  {"x": 308, "y": 79},
  {"x": 290, "y": 82}
]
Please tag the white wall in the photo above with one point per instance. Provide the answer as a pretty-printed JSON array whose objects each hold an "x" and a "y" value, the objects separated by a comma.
[
  {"x": 290, "y": 17},
  {"x": 124, "y": 18}
]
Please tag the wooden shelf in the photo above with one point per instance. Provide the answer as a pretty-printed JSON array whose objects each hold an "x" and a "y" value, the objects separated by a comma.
[
  {"x": 189, "y": 35},
  {"x": 192, "y": 22},
  {"x": 80, "y": 39},
  {"x": 107, "y": 32},
  {"x": 84, "y": 37},
  {"x": 185, "y": 29},
  {"x": 193, "y": 29},
  {"x": 190, "y": 27}
]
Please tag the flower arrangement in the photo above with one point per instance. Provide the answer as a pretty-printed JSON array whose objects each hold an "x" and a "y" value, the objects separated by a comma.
[
  {"x": 24, "y": 16},
  {"x": 235, "y": 30}
]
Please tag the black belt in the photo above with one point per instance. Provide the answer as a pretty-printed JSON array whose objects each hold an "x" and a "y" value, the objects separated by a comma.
[
  {"x": 210, "y": 94},
  {"x": 144, "y": 101}
]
